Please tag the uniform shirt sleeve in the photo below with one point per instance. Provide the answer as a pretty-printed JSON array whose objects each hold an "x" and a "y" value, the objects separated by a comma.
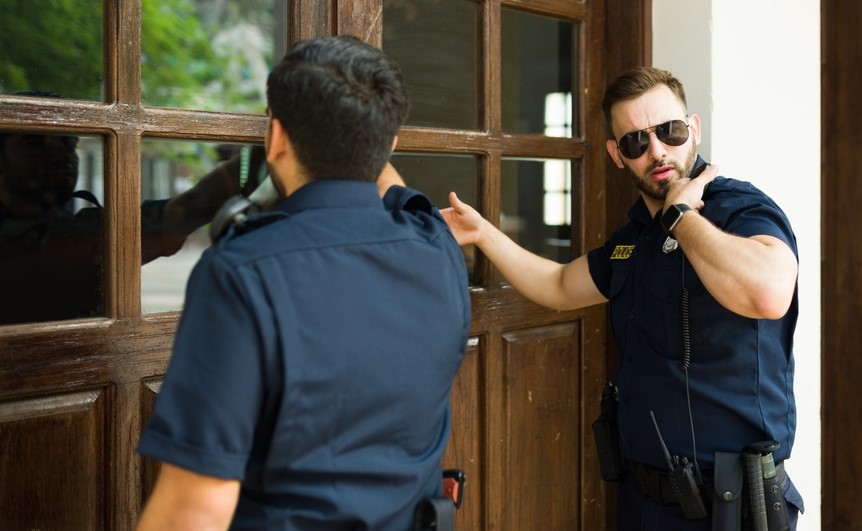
[
  {"x": 738, "y": 207},
  {"x": 206, "y": 411},
  {"x": 421, "y": 211}
]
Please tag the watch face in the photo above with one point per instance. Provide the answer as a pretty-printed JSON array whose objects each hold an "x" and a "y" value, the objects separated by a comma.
[
  {"x": 668, "y": 218},
  {"x": 671, "y": 217}
]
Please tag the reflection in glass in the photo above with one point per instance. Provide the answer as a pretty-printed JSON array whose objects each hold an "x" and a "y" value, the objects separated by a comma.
[
  {"x": 183, "y": 184},
  {"x": 436, "y": 43},
  {"x": 51, "y": 47},
  {"x": 51, "y": 226},
  {"x": 436, "y": 176},
  {"x": 211, "y": 55},
  {"x": 539, "y": 74},
  {"x": 536, "y": 206}
]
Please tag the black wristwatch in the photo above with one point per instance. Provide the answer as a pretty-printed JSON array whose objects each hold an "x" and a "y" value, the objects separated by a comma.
[{"x": 672, "y": 215}]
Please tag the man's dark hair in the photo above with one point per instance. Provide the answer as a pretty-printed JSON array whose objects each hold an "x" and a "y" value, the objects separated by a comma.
[
  {"x": 634, "y": 83},
  {"x": 341, "y": 102}
]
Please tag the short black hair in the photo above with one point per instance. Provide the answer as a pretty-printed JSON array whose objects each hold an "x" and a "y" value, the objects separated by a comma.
[{"x": 341, "y": 102}]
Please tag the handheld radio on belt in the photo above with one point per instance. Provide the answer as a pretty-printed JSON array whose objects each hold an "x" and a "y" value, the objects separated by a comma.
[{"x": 684, "y": 480}]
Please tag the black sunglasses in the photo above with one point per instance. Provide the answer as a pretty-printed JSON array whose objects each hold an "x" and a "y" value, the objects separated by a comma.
[{"x": 673, "y": 133}]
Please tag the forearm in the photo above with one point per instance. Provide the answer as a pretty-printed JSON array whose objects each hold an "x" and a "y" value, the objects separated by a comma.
[
  {"x": 179, "y": 519},
  {"x": 183, "y": 500},
  {"x": 754, "y": 277},
  {"x": 543, "y": 281},
  {"x": 196, "y": 206}
]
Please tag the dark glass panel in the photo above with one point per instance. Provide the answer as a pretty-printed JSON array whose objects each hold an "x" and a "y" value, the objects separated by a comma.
[
  {"x": 51, "y": 226},
  {"x": 537, "y": 206},
  {"x": 437, "y": 175},
  {"x": 436, "y": 43},
  {"x": 539, "y": 71}
]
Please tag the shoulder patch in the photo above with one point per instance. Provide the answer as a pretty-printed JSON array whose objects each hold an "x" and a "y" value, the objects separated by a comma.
[{"x": 622, "y": 252}]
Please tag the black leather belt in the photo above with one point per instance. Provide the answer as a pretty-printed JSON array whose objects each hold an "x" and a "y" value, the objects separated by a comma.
[{"x": 654, "y": 483}]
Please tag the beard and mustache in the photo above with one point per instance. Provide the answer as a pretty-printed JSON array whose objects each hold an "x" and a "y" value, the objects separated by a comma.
[{"x": 658, "y": 189}]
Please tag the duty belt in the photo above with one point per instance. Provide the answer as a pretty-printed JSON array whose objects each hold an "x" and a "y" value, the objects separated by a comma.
[{"x": 654, "y": 483}]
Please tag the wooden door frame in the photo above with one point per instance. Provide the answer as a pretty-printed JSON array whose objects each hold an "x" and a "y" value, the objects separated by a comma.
[
  {"x": 841, "y": 255},
  {"x": 121, "y": 354}
]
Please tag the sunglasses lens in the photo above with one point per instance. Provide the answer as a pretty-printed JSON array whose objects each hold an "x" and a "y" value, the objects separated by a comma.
[
  {"x": 633, "y": 145},
  {"x": 673, "y": 133}
]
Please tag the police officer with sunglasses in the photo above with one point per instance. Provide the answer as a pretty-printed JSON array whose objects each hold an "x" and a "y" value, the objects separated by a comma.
[{"x": 702, "y": 286}]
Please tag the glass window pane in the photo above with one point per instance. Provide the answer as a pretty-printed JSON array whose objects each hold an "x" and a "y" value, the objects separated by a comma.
[
  {"x": 536, "y": 207},
  {"x": 53, "y": 48},
  {"x": 51, "y": 226},
  {"x": 183, "y": 184},
  {"x": 209, "y": 55},
  {"x": 437, "y": 175},
  {"x": 436, "y": 43},
  {"x": 539, "y": 74}
]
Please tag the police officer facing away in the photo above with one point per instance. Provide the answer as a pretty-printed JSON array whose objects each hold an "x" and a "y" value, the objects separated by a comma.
[
  {"x": 310, "y": 379},
  {"x": 702, "y": 289}
]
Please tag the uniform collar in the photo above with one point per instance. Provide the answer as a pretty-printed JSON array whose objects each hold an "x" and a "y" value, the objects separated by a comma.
[{"x": 331, "y": 193}]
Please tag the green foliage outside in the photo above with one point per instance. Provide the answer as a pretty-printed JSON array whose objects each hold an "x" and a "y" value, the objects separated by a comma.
[
  {"x": 188, "y": 59},
  {"x": 51, "y": 46}
]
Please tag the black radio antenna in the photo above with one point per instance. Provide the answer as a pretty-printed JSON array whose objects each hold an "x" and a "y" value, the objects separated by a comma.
[{"x": 661, "y": 440}]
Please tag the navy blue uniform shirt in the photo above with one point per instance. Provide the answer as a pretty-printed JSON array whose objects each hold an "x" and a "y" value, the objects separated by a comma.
[
  {"x": 741, "y": 372},
  {"x": 314, "y": 360}
]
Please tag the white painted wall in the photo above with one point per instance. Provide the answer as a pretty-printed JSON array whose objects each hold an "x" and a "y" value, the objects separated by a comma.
[{"x": 751, "y": 69}]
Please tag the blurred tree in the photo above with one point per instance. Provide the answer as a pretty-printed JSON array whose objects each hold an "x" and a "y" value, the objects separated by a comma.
[
  {"x": 197, "y": 54},
  {"x": 52, "y": 46},
  {"x": 177, "y": 59}
]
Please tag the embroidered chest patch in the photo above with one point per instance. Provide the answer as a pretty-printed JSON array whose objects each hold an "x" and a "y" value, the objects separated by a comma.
[{"x": 622, "y": 252}]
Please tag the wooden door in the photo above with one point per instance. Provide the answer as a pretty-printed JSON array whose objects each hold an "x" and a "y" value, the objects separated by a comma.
[
  {"x": 484, "y": 124},
  {"x": 75, "y": 390}
]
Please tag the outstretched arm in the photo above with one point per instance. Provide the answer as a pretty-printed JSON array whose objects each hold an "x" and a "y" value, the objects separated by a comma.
[{"x": 545, "y": 282}]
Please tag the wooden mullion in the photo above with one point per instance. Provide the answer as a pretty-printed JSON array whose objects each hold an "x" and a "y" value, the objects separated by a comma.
[
  {"x": 199, "y": 125},
  {"x": 491, "y": 68},
  {"x": 126, "y": 50},
  {"x": 362, "y": 19},
  {"x": 489, "y": 205},
  {"x": 123, "y": 220},
  {"x": 312, "y": 18},
  {"x": 452, "y": 141},
  {"x": 570, "y": 9}
]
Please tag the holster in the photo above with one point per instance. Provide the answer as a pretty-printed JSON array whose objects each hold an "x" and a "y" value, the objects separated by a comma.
[
  {"x": 607, "y": 437},
  {"x": 727, "y": 501}
]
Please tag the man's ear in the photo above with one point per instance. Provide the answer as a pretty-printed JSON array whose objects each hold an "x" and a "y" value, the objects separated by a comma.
[
  {"x": 278, "y": 142},
  {"x": 614, "y": 152},
  {"x": 694, "y": 126}
]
